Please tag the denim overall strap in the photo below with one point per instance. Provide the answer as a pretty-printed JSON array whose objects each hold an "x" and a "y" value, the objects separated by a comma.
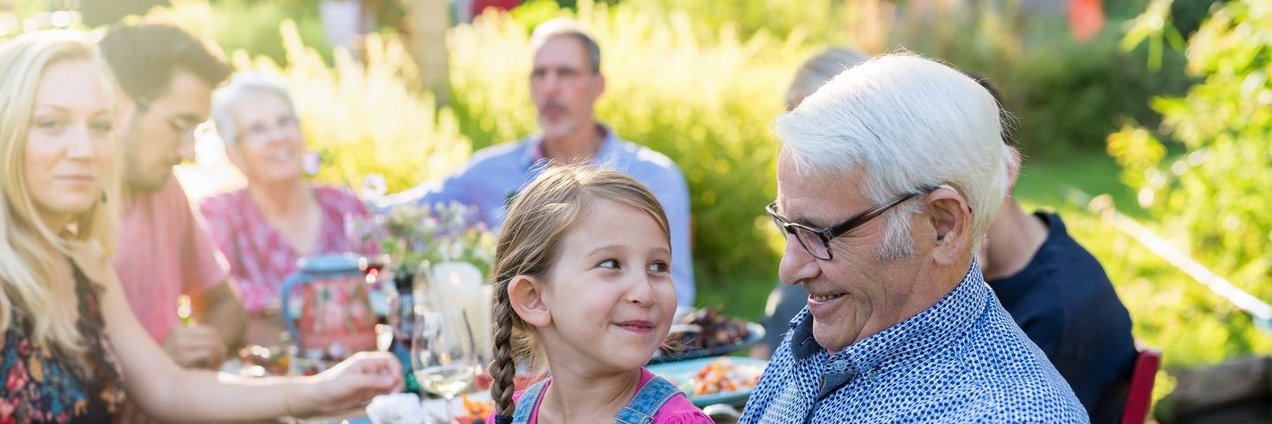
[
  {"x": 525, "y": 406},
  {"x": 647, "y": 402}
]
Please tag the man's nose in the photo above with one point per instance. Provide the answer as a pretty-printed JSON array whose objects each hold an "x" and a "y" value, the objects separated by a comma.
[
  {"x": 551, "y": 82},
  {"x": 796, "y": 264}
]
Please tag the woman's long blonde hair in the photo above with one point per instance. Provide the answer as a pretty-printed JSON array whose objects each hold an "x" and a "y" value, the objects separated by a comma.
[
  {"x": 29, "y": 249},
  {"x": 529, "y": 244}
]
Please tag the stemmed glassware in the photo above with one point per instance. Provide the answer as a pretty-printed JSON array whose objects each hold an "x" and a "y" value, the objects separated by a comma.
[{"x": 444, "y": 356}]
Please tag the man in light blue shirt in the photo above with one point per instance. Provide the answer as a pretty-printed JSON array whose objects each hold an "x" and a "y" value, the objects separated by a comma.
[
  {"x": 888, "y": 179},
  {"x": 564, "y": 84}
]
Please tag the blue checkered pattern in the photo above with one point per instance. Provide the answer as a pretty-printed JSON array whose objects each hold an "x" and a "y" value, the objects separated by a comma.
[{"x": 962, "y": 360}]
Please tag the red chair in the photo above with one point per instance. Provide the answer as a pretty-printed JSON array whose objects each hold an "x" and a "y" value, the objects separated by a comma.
[{"x": 1140, "y": 396}]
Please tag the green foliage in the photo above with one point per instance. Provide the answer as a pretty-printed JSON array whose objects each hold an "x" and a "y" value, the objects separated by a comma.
[
  {"x": 366, "y": 118},
  {"x": 1066, "y": 94},
  {"x": 250, "y": 25},
  {"x": 705, "y": 100},
  {"x": 821, "y": 20},
  {"x": 1213, "y": 196}
]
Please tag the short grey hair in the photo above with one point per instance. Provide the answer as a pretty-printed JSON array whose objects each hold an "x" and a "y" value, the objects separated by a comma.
[
  {"x": 241, "y": 86},
  {"x": 904, "y": 122},
  {"x": 821, "y": 68},
  {"x": 567, "y": 27}
]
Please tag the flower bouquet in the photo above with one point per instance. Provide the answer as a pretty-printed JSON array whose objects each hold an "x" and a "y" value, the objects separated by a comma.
[{"x": 411, "y": 235}]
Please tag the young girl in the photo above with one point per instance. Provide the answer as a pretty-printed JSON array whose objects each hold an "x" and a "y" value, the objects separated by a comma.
[{"x": 582, "y": 286}]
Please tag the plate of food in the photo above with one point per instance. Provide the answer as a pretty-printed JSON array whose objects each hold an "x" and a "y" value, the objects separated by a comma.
[
  {"x": 707, "y": 381},
  {"x": 706, "y": 332}
]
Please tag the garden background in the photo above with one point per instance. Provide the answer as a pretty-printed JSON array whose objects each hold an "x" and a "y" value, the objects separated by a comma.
[{"x": 1161, "y": 117}]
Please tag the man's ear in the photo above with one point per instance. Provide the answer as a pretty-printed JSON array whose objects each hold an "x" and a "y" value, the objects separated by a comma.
[
  {"x": 525, "y": 295},
  {"x": 600, "y": 86},
  {"x": 951, "y": 220},
  {"x": 1013, "y": 169}
]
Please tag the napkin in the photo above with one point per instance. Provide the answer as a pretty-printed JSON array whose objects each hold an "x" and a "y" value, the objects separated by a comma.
[{"x": 399, "y": 408}]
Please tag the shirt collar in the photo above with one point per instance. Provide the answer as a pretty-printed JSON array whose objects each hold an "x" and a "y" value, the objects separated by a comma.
[
  {"x": 928, "y": 330},
  {"x": 534, "y": 147}
]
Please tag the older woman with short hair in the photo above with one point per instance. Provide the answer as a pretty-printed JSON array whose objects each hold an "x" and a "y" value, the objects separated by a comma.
[{"x": 280, "y": 216}]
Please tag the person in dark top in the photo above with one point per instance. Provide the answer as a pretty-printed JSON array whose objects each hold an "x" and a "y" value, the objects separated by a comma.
[
  {"x": 1066, "y": 304},
  {"x": 1060, "y": 296}
]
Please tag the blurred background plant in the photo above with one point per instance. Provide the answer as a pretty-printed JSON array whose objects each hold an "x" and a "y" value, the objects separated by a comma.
[
  {"x": 666, "y": 89},
  {"x": 1205, "y": 171}
]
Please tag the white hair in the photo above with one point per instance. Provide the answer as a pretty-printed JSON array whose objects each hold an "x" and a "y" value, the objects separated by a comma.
[
  {"x": 241, "y": 86},
  {"x": 904, "y": 122}
]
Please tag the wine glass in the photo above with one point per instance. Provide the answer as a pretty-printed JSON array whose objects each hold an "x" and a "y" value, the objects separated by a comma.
[{"x": 443, "y": 354}]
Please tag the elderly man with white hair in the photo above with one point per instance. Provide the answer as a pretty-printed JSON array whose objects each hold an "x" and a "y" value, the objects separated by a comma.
[{"x": 900, "y": 326}]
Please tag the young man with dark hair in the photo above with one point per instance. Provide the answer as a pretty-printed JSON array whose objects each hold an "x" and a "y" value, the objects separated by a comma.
[{"x": 166, "y": 78}]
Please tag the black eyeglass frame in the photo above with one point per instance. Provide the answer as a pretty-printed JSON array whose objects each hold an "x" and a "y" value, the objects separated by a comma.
[{"x": 788, "y": 228}]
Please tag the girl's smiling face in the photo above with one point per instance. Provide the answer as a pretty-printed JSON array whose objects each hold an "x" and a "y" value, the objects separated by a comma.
[{"x": 610, "y": 292}]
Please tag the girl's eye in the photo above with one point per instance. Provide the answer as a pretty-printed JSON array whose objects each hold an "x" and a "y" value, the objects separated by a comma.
[
  {"x": 610, "y": 263},
  {"x": 658, "y": 266}
]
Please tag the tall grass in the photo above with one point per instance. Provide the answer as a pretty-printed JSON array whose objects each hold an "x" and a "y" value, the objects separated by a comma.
[{"x": 367, "y": 117}]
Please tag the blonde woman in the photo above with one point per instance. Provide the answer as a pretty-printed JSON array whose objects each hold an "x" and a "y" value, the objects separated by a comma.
[{"x": 71, "y": 346}]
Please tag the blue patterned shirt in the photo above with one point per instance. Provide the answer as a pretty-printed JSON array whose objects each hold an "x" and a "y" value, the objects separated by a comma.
[
  {"x": 495, "y": 174},
  {"x": 962, "y": 360}
]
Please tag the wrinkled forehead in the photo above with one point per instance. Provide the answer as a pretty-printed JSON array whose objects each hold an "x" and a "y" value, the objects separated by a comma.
[{"x": 808, "y": 195}]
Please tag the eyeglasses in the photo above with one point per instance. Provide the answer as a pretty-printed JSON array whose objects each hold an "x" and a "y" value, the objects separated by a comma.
[
  {"x": 260, "y": 131},
  {"x": 817, "y": 240}
]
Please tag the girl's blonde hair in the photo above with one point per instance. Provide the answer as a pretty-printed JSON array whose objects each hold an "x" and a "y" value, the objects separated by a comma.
[
  {"x": 529, "y": 244},
  {"x": 29, "y": 249}
]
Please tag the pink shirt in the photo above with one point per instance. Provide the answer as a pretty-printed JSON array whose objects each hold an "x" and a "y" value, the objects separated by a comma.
[
  {"x": 259, "y": 256},
  {"x": 677, "y": 410},
  {"x": 163, "y": 254}
]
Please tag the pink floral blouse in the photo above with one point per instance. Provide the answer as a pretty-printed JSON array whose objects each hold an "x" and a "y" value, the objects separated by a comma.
[{"x": 259, "y": 256}]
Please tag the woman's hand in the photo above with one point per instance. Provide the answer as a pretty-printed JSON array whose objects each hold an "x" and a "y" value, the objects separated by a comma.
[{"x": 352, "y": 382}]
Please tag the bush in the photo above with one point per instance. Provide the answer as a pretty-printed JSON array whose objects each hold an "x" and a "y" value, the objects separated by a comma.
[
  {"x": 1067, "y": 94},
  {"x": 707, "y": 101},
  {"x": 362, "y": 118},
  {"x": 1213, "y": 196},
  {"x": 250, "y": 26},
  {"x": 366, "y": 118}
]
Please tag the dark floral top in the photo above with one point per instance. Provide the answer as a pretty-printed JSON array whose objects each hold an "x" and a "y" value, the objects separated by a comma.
[{"x": 41, "y": 384}]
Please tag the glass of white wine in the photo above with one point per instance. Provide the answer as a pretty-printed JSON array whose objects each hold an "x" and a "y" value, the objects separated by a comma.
[{"x": 444, "y": 354}]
